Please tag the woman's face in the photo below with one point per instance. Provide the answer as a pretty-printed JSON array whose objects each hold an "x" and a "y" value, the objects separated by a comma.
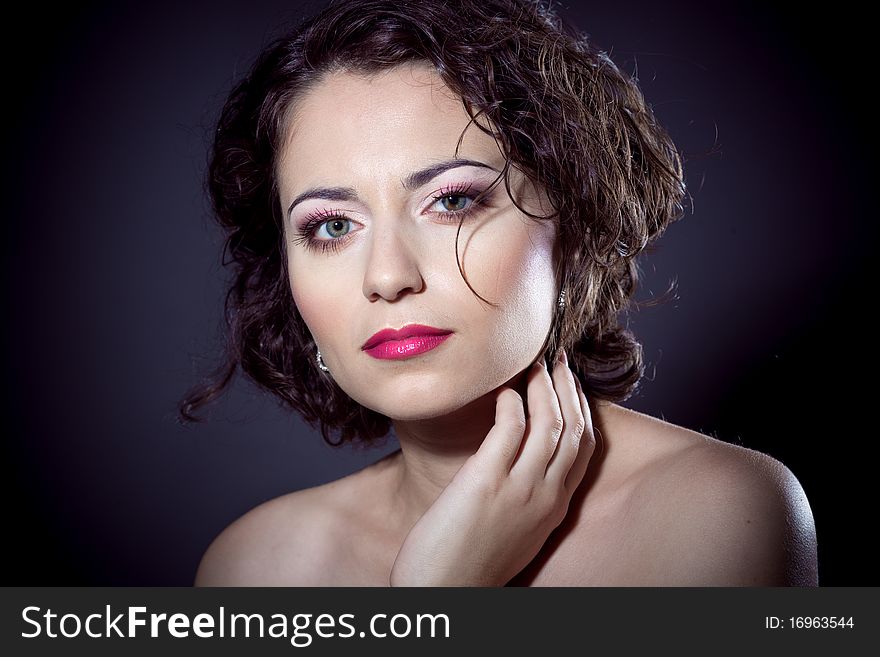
[{"x": 389, "y": 243}]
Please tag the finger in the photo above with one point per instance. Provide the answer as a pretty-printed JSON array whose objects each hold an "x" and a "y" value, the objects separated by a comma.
[
  {"x": 573, "y": 419},
  {"x": 502, "y": 443},
  {"x": 544, "y": 425},
  {"x": 586, "y": 447}
]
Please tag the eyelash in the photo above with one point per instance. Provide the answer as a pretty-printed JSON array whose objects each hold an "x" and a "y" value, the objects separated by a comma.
[{"x": 315, "y": 220}]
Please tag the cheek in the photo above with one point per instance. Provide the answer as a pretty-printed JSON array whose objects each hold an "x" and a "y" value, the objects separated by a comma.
[
  {"x": 313, "y": 300},
  {"x": 517, "y": 273},
  {"x": 520, "y": 266}
]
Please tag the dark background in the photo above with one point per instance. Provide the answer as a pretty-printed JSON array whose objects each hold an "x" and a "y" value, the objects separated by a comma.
[{"x": 113, "y": 281}]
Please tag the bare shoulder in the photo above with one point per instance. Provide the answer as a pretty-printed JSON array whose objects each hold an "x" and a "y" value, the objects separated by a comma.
[
  {"x": 311, "y": 537},
  {"x": 276, "y": 543},
  {"x": 286, "y": 541},
  {"x": 719, "y": 514}
]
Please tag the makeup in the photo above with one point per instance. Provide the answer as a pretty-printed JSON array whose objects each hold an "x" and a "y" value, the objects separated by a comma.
[
  {"x": 407, "y": 347},
  {"x": 410, "y": 340}
]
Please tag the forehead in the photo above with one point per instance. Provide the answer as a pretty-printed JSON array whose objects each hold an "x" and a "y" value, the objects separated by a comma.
[{"x": 403, "y": 114}]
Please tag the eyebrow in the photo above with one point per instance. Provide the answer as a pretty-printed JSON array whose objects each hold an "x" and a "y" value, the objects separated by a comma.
[{"x": 413, "y": 181}]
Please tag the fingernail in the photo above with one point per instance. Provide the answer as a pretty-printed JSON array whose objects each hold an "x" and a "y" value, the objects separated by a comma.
[{"x": 563, "y": 358}]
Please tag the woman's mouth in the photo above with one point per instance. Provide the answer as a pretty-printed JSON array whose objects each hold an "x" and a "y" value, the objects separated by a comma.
[{"x": 406, "y": 347}]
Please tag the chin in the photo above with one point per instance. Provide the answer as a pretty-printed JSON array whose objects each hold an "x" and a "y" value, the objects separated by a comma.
[
  {"x": 413, "y": 409},
  {"x": 432, "y": 404},
  {"x": 421, "y": 400}
]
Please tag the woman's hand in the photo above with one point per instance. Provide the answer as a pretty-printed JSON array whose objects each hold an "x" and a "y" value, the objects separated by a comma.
[{"x": 498, "y": 510}]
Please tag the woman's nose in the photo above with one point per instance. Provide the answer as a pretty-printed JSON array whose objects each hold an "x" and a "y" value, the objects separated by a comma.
[{"x": 393, "y": 265}]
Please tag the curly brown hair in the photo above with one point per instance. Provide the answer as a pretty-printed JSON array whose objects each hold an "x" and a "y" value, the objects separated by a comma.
[{"x": 561, "y": 111}]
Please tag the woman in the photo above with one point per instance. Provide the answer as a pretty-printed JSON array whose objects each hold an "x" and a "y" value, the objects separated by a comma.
[{"x": 433, "y": 210}]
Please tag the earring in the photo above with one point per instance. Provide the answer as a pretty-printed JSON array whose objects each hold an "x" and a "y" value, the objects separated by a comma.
[
  {"x": 321, "y": 362},
  {"x": 561, "y": 302}
]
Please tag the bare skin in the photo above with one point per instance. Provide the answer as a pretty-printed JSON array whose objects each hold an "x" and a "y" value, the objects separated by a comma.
[
  {"x": 625, "y": 526},
  {"x": 654, "y": 505}
]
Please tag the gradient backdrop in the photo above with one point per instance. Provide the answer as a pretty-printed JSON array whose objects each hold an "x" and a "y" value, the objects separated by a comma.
[{"x": 114, "y": 284}]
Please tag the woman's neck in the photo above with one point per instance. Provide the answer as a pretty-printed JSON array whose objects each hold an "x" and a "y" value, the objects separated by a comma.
[{"x": 432, "y": 451}]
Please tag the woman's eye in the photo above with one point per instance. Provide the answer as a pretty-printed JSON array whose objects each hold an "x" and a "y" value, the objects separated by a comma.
[
  {"x": 453, "y": 202},
  {"x": 328, "y": 231},
  {"x": 335, "y": 228}
]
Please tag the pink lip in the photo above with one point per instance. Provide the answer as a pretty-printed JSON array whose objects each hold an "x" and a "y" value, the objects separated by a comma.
[
  {"x": 407, "y": 347},
  {"x": 411, "y": 340}
]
